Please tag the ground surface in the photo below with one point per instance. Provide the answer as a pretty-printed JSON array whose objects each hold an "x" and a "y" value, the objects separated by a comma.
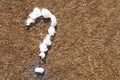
[{"x": 86, "y": 46}]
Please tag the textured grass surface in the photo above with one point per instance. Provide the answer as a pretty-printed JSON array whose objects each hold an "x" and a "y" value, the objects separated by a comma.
[{"x": 86, "y": 46}]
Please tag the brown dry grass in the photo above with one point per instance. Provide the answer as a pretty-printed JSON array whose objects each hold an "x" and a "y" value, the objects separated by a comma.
[{"x": 86, "y": 46}]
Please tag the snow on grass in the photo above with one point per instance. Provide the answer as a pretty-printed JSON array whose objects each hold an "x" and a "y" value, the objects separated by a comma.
[
  {"x": 47, "y": 40},
  {"x": 51, "y": 31},
  {"x": 42, "y": 55},
  {"x": 35, "y": 14},
  {"x": 46, "y": 13},
  {"x": 39, "y": 70},
  {"x": 43, "y": 47}
]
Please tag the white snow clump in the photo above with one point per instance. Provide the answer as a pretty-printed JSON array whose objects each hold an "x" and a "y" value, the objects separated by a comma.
[
  {"x": 29, "y": 21},
  {"x": 42, "y": 55},
  {"x": 39, "y": 70},
  {"x": 53, "y": 21},
  {"x": 46, "y": 13},
  {"x": 43, "y": 47},
  {"x": 47, "y": 40},
  {"x": 35, "y": 14},
  {"x": 51, "y": 31}
]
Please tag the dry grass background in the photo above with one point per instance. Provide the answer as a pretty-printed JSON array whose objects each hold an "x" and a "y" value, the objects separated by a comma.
[{"x": 86, "y": 46}]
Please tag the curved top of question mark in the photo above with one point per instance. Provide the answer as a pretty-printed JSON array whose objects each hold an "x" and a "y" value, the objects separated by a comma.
[{"x": 41, "y": 12}]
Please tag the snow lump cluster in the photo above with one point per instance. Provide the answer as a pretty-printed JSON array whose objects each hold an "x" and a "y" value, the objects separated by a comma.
[{"x": 51, "y": 31}]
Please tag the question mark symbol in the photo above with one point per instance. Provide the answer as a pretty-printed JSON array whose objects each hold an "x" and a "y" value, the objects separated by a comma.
[{"x": 51, "y": 31}]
